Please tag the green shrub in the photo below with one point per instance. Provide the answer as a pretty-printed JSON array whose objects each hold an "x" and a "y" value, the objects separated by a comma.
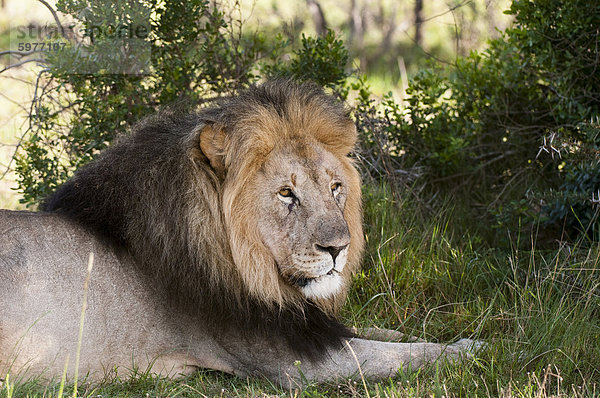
[
  {"x": 511, "y": 128},
  {"x": 559, "y": 40},
  {"x": 321, "y": 59},
  {"x": 576, "y": 203},
  {"x": 508, "y": 124},
  {"x": 193, "y": 52}
]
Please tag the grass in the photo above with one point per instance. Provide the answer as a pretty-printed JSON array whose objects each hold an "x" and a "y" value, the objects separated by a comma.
[{"x": 538, "y": 311}]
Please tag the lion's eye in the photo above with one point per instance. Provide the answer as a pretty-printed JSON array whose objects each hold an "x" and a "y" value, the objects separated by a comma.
[
  {"x": 336, "y": 188},
  {"x": 286, "y": 193}
]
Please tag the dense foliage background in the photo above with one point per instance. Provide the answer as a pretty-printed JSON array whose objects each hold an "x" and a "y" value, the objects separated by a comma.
[
  {"x": 482, "y": 182},
  {"x": 512, "y": 129}
]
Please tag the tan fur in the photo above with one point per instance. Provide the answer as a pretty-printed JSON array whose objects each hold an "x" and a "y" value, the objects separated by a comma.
[{"x": 265, "y": 132}]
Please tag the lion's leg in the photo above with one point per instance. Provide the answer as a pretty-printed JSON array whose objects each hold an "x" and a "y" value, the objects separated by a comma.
[
  {"x": 372, "y": 359},
  {"x": 174, "y": 365},
  {"x": 374, "y": 333},
  {"x": 377, "y": 359}
]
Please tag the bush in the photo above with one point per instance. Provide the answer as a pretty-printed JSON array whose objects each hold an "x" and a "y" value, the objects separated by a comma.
[
  {"x": 509, "y": 126},
  {"x": 513, "y": 129},
  {"x": 321, "y": 59},
  {"x": 559, "y": 40},
  {"x": 195, "y": 53},
  {"x": 576, "y": 203}
]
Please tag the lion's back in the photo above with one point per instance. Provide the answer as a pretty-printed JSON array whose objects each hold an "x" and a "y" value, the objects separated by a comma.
[
  {"x": 25, "y": 233},
  {"x": 43, "y": 266}
]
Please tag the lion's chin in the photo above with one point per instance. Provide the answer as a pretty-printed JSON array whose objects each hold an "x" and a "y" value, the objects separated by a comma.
[{"x": 322, "y": 287}]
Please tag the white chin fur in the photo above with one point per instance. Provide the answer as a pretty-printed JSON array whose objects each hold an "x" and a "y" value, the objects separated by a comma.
[{"x": 322, "y": 287}]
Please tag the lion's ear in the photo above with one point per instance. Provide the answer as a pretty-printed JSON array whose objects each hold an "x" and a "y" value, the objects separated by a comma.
[
  {"x": 340, "y": 140},
  {"x": 212, "y": 144}
]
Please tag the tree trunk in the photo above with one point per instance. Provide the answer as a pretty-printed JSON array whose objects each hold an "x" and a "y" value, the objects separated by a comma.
[
  {"x": 318, "y": 16},
  {"x": 418, "y": 21}
]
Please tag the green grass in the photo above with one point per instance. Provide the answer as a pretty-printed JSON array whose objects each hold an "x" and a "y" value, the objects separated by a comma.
[{"x": 537, "y": 310}]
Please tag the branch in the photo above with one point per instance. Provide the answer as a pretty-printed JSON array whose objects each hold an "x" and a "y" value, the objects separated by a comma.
[
  {"x": 411, "y": 38},
  {"x": 20, "y": 64},
  {"x": 7, "y": 98},
  {"x": 17, "y": 53},
  {"x": 49, "y": 7},
  {"x": 31, "y": 106},
  {"x": 449, "y": 10}
]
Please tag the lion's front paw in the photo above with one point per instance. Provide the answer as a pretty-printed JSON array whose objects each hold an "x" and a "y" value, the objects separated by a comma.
[{"x": 468, "y": 346}]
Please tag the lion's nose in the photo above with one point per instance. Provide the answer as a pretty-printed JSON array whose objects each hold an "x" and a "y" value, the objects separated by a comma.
[{"x": 333, "y": 250}]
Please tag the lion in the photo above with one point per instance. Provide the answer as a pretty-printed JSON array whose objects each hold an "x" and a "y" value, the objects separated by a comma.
[{"x": 223, "y": 239}]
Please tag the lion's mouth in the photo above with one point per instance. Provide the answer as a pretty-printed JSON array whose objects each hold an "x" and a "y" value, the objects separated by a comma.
[{"x": 304, "y": 281}]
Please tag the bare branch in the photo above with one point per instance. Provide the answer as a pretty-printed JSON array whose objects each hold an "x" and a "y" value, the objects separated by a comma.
[
  {"x": 449, "y": 10},
  {"x": 18, "y": 79},
  {"x": 30, "y": 127},
  {"x": 6, "y": 97},
  {"x": 20, "y": 64},
  {"x": 55, "y": 15},
  {"x": 18, "y": 53}
]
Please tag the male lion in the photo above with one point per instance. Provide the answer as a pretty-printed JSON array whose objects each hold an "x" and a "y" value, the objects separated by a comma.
[{"x": 224, "y": 239}]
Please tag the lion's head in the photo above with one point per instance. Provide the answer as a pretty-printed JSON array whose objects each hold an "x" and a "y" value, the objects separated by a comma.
[
  {"x": 248, "y": 211},
  {"x": 302, "y": 192},
  {"x": 291, "y": 197}
]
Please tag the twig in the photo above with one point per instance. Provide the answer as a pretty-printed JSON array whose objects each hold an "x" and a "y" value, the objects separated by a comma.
[
  {"x": 29, "y": 118},
  {"x": 362, "y": 377},
  {"x": 21, "y": 64},
  {"x": 18, "y": 53},
  {"x": 86, "y": 286},
  {"x": 449, "y": 10},
  {"x": 6, "y": 97},
  {"x": 53, "y": 12}
]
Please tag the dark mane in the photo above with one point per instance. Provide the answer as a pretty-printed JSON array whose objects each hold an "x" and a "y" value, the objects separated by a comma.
[{"x": 150, "y": 194}]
